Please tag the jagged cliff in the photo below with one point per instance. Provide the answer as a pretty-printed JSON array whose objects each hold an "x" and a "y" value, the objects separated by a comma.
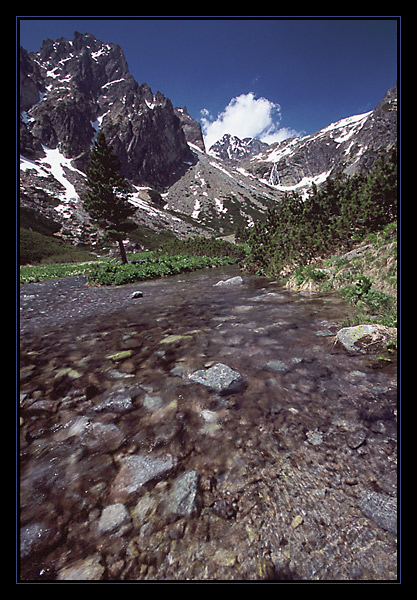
[{"x": 71, "y": 88}]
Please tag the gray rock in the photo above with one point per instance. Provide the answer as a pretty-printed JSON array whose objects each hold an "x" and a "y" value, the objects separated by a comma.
[
  {"x": 115, "y": 401},
  {"x": 364, "y": 339},
  {"x": 103, "y": 437},
  {"x": 114, "y": 517},
  {"x": 182, "y": 499},
  {"x": 220, "y": 378},
  {"x": 88, "y": 568},
  {"x": 152, "y": 403},
  {"x": 356, "y": 439},
  {"x": 138, "y": 469},
  {"x": 381, "y": 508},
  {"x": 315, "y": 438},
  {"x": 355, "y": 253},
  {"x": 232, "y": 281},
  {"x": 35, "y": 537},
  {"x": 277, "y": 366}
]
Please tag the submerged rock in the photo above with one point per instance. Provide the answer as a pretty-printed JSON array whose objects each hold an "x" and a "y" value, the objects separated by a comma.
[
  {"x": 364, "y": 339},
  {"x": 277, "y": 366},
  {"x": 220, "y": 378},
  {"x": 114, "y": 517},
  {"x": 115, "y": 401},
  {"x": 89, "y": 568},
  {"x": 182, "y": 500},
  {"x": 380, "y": 508},
  {"x": 138, "y": 469}
]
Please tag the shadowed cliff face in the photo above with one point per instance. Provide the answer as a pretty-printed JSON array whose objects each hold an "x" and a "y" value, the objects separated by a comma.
[{"x": 70, "y": 89}]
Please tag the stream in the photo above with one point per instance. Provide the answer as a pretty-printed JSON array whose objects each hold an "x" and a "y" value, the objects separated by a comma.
[{"x": 131, "y": 470}]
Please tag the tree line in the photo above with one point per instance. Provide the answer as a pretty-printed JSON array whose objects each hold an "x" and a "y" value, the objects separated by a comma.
[{"x": 336, "y": 216}]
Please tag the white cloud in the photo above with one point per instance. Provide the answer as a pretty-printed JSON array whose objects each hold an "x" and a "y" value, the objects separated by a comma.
[{"x": 246, "y": 116}]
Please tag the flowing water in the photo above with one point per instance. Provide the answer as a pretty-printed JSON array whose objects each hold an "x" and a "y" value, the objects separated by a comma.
[{"x": 130, "y": 470}]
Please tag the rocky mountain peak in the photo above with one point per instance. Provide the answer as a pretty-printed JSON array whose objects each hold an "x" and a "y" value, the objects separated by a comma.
[
  {"x": 232, "y": 148},
  {"x": 70, "y": 89},
  {"x": 350, "y": 145}
]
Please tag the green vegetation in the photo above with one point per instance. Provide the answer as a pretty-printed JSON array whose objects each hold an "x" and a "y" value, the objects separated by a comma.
[
  {"x": 368, "y": 279},
  {"x": 307, "y": 241},
  {"x": 337, "y": 216},
  {"x": 32, "y": 274},
  {"x": 163, "y": 266},
  {"x": 36, "y": 247},
  {"x": 182, "y": 257}
]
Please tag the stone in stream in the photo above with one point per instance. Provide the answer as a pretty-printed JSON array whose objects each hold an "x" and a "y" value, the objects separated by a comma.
[
  {"x": 182, "y": 500},
  {"x": 230, "y": 282},
  {"x": 115, "y": 401},
  {"x": 138, "y": 469},
  {"x": 114, "y": 518},
  {"x": 381, "y": 508},
  {"x": 219, "y": 378},
  {"x": 364, "y": 339}
]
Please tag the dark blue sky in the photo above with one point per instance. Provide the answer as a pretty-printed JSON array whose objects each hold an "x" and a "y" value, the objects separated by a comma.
[{"x": 317, "y": 70}]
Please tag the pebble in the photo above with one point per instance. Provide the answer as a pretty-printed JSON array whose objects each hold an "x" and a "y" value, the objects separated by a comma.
[
  {"x": 315, "y": 438},
  {"x": 118, "y": 356},
  {"x": 182, "y": 499},
  {"x": 297, "y": 521},
  {"x": 277, "y": 365},
  {"x": 224, "y": 558},
  {"x": 114, "y": 516},
  {"x": 115, "y": 401}
]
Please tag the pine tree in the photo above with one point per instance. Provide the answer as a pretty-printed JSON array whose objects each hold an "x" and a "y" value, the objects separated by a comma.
[{"x": 106, "y": 199}]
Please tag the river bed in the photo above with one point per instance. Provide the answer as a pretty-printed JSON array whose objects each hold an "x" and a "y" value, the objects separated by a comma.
[{"x": 130, "y": 470}]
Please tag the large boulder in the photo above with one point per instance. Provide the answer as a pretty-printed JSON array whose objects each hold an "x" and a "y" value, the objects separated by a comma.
[{"x": 366, "y": 339}]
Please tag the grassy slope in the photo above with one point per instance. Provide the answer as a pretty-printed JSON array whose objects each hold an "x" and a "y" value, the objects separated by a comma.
[{"x": 369, "y": 279}]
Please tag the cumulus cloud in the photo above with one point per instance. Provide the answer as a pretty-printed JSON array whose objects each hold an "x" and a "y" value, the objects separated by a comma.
[{"x": 246, "y": 116}]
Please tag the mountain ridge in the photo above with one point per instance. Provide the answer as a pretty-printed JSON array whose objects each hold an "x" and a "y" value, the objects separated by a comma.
[
  {"x": 232, "y": 148},
  {"x": 72, "y": 89}
]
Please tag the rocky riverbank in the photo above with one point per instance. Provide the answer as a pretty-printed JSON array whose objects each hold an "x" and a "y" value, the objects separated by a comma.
[{"x": 201, "y": 432}]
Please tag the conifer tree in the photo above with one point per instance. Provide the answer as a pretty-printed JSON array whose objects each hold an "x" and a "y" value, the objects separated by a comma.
[{"x": 106, "y": 199}]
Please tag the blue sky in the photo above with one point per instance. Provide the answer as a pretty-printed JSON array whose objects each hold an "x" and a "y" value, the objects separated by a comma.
[{"x": 269, "y": 78}]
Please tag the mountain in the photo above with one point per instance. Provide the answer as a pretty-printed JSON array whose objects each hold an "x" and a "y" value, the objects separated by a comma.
[
  {"x": 350, "y": 145},
  {"x": 69, "y": 90},
  {"x": 232, "y": 148},
  {"x": 191, "y": 128}
]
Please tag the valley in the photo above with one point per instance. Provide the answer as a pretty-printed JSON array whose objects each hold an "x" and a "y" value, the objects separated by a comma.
[
  {"x": 223, "y": 407},
  {"x": 178, "y": 187}
]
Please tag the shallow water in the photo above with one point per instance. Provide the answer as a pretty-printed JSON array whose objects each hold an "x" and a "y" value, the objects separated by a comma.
[{"x": 105, "y": 377}]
